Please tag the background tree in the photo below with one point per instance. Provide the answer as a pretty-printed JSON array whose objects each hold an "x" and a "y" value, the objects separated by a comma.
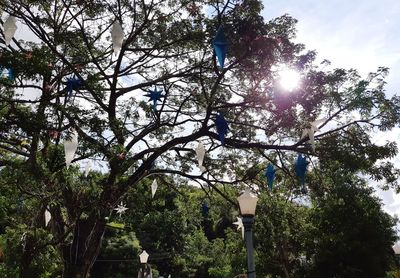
[
  {"x": 359, "y": 244},
  {"x": 68, "y": 78}
]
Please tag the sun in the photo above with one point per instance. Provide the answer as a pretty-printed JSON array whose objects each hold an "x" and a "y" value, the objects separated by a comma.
[{"x": 289, "y": 79}]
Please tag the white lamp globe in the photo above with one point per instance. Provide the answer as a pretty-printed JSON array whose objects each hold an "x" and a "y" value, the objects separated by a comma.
[
  {"x": 248, "y": 203},
  {"x": 144, "y": 256}
]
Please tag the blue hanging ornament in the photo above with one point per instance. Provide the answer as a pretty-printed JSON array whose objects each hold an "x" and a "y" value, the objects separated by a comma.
[
  {"x": 7, "y": 73},
  {"x": 301, "y": 168},
  {"x": 222, "y": 127},
  {"x": 220, "y": 45},
  {"x": 155, "y": 96},
  {"x": 205, "y": 209},
  {"x": 72, "y": 84},
  {"x": 153, "y": 165},
  {"x": 270, "y": 175},
  {"x": 10, "y": 74}
]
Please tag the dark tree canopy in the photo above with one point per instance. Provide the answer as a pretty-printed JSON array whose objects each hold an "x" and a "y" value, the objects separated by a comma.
[{"x": 354, "y": 237}]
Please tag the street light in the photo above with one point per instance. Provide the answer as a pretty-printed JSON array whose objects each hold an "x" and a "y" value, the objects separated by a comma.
[
  {"x": 248, "y": 203},
  {"x": 144, "y": 256},
  {"x": 396, "y": 249}
]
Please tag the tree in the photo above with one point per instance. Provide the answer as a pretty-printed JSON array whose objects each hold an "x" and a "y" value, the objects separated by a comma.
[
  {"x": 282, "y": 234},
  {"x": 341, "y": 230},
  {"x": 353, "y": 235},
  {"x": 67, "y": 79}
]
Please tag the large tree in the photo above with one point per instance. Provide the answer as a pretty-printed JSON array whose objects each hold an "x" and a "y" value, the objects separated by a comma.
[{"x": 67, "y": 79}]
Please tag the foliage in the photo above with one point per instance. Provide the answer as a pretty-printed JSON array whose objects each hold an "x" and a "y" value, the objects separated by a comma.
[
  {"x": 282, "y": 231},
  {"x": 353, "y": 236},
  {"x": 119, "y": 255}
]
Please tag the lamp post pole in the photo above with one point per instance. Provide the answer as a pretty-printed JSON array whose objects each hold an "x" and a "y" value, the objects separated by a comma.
[
  {"x": 396, "y": 250},
  {"x": 143, "y": 269},
  {"x": 248, "y": 237},
  {"x": 248, "y": 203}
]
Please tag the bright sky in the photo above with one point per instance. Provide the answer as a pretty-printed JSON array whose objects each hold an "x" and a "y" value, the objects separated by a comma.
[{"x": 360, "y": 34}]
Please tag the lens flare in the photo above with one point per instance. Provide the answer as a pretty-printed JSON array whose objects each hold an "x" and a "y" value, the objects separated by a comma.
[{"x": 289, "y": 79}]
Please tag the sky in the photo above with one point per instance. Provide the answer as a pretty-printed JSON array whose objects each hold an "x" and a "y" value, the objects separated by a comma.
[{"x": 360, "y": 34}]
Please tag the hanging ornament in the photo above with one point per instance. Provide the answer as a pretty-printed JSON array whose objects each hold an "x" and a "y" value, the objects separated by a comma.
[
  {"x": 205, "y": 209},
  {"x": 10, "y": 74},
  {"x": 10, "y": 26},
  {"x": 72, "y": 84},
  {"x": 7, "y": 73},
  {"x": 155, "y": 96},
  {"x": 314, "y": 125},
  {"x": 117, "y": 36},
  {"x": 240, "y": 225},
  {"x": 220, "y": 45},
  {"x": 120, "y": 209},
  {"x": 270, "y": 175},
  {"x": 70, "y": 147},
  {"x": 310, "y": 132},
  {"x": 153, "y": 164},
  {"x": 222, "y": 127},
  {"x": 88, "y": 168},
  {"x": 301, "y": 168},
  {"x": 40, "y": 145},
  {"x": 200, "y": 153},
  {"x": 154, "y": 187},
  {"x": 47, "y": 217}
]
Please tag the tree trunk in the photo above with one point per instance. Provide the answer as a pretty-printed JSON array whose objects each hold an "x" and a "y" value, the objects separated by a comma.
[
  {"x": 80, "y": 255},
  {"x": 24, "y": 270},
  {"x": 76, "y": 271}
]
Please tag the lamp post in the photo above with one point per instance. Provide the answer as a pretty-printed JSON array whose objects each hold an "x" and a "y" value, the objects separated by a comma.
[
  {"x": 248, "y": 203},
  {"x": 396, "y": 249},
  {"x": 144, "y": 256}
]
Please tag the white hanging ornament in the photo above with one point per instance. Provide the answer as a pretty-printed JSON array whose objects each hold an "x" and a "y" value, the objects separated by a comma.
[
  {"x": 200, "y": 153},
  {"x": 88, "y": 168},
  {"x": 70, "y": 147},
  {"x": 154, "y": 187},
  {"x": 117, "y": 36},
  {"x": 120, "y": 209},
  {"x": 40, "y": 145},
  {"x": 310, "y": 132},
  {"x": 9, "y": 28},
  {"x": 240, "y": 225},
  {"x": 47, "y": 217},
  {"x": 314, "y": 125}
]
